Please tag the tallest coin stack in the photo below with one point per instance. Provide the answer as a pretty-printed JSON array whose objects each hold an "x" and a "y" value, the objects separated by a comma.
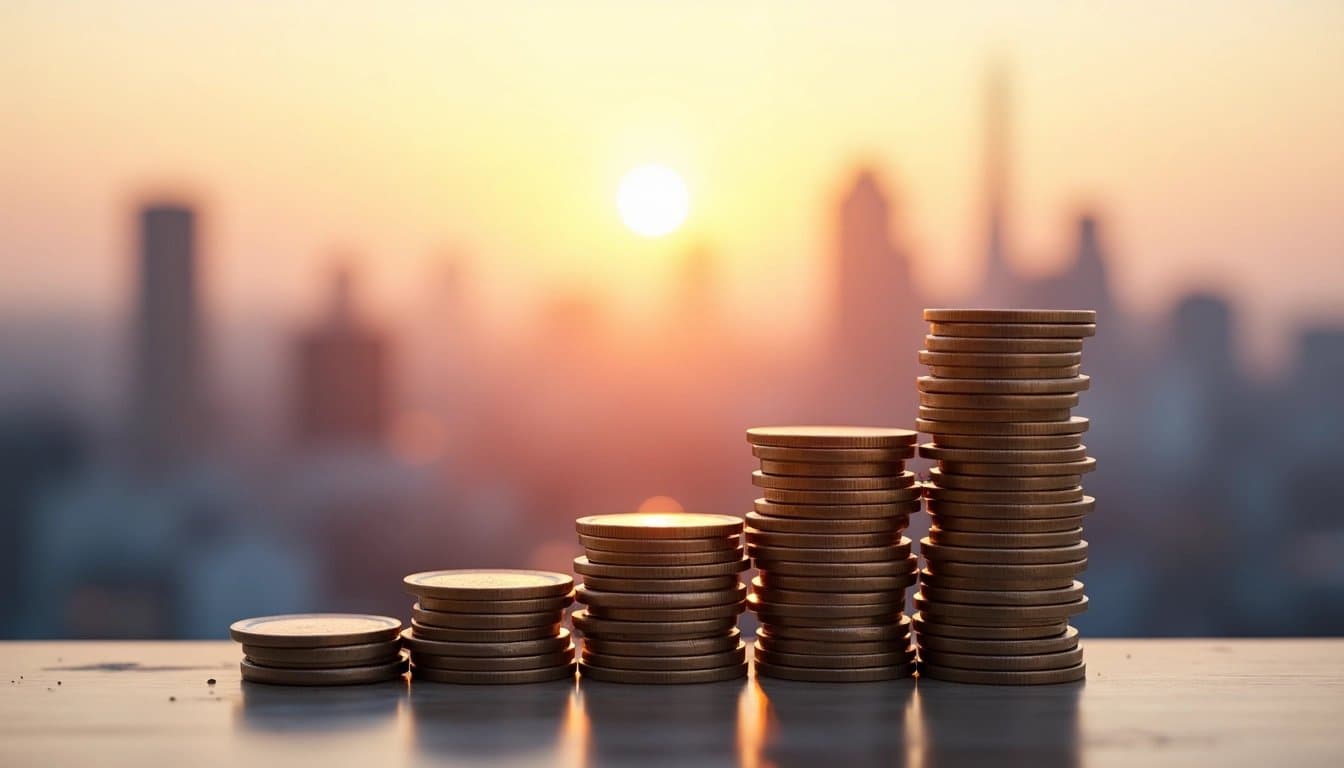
[{"x": 1005, "y": 502}]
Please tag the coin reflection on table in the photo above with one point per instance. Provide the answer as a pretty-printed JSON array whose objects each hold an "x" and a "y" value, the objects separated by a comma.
[
  {"x": 965, "y": 725},
  {"x": 469, "y": 723},
  {"x": 850, "y": 724},
  {"x": 660, "y": 724},
  {"x": 299, "y": 709}
]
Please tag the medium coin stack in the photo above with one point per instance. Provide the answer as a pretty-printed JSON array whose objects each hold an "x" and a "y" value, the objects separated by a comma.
[
  {"x": 834, "y": 567},
  {"x": 662, "y": 596},
  {"x": 491, "y": 626},
  {"x": 320, "y": 649},
  {"x": 1005, "y": 502}
]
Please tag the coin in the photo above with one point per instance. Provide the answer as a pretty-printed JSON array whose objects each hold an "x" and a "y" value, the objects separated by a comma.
[
  {"x": 769, "y": 539},
  {"x": 733, "y": 657},
  {"x": 899, "y": 510},
  {"x": 845, "y": 498},
  {"x": 427, "y": 674},
  {"x": 992, "y": 360},
  {"x": 377, "y": 673},
  {"x": 450, "y": 635},
  {"x": 599, "y": 599},
  {"x": 708, "y": 584},
  {"x": 998, "y": 402},
  {"x": 830, "y": 437},
  {"x": 1014, "y": 330},
  {"x": 965, "y": 372},
  {"x": 768, "y": 642},
  {"x": 1003, "y": 386},
  {"x": 985, "y": 614},
  {"x": 1063, "y": 642},
  {"x": 1002, "y": 596},
  {"x": 994, "y": 571},
  {"x": 835, "y": 455},
  {"x": 615, "y": 629},
  {"x": 845, "y": 570},
  {"x": 983, "y": 677},
  {"x": 1066, "y": 538},
  {"x": 1003, "y": 483},
  {"x": 942, "y": 628},
  {"x": 660, "y": 546},
  {"x": 888, "y": 526},
  {"x": 488, "y": 584},
  {"x": 943, "y": 553},
  {"x": 981, "y": 499},
  {"x": 868, "y": 633},
  {"x": 1011, "y": 315},
  {"x": 662, "y": 677},
  {"x": 838, "y": 610},
  {"x": 948, "y": 523},
  {"x": 483, "y": 620},
  {"x": 552, "y": 644},
  {"x": 1003, "y": 346},
  {"x": 586, "y": 568},
  {"x": 963, "y": 582},
  {"x": 314, "y": 630},
  {"x": 790, "y": 482},
  {"x": 497, "y": 606},
  {"x": 1079, "y": 467},
  {"x": 939, "y": 453},
  {"x": 1028, "y": 510},
  {"x": 979, "y": 415},
  {"x": 696, "y": 647},
  {"x": 773, "y": 580},
  {"x": 1074, "y": 425},
  {"x": 363, "y": 654},
  {"x": 804, "y": 597},
  {"x": 793, "y": 619},
  {"x": 887, "y": 552},
  {"x": 1010, "y": 442},
  {"x": 833, "y": 661},
  {"x": 832, "y": 469},
  {"x": 866, "y": 675},
  {"x": 598, "y": 557},
  {"x": 723, "y": 610},
  {"x": 494, "y": 664},
  {"x": 641, "y": 525}
]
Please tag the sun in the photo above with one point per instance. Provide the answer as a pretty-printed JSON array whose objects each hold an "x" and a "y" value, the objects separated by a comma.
[{"x": 653, "y": 200}]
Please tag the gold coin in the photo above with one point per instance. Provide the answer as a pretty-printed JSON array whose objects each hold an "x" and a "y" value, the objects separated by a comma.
[
  {"x": 709, "y": 612},
  {"x": 599, "y": 557},
  {"x": 991, "y": 360},
  {"x": 776, "y": 619},
  {"x": 928, "y": 626},
  {"x": 1014, "y": 330},
  {"x": 961, "y": 582},
  {"x": 898, "y": 551},
  {"x": 616, "y": 629},
  {"x": 493, "y": 664},
  {"x": 833, "y": 469},
  {"x": 1002, "y": 615},
  {"x": 939, "y": 453},
  {"x": 845, "y": 570},
  {"x": 696, "y": 647},
  {"x": 670, "y": 525},
  {"x": 361, "y": 655},
  {"x": 830, "y": 437},
  {"x": 660, "y": 546},
  {"x": 498, "y": 606},
  {"x": 1003, "y": 386},
  {"x": 584, "y": 567},
  {"x": 314, "y": 630},
  {"x": 1066, "y": 538},
  {"x": 768, "y": 642},
  {"x": 798, "y": 525},
  {"x": 843, "y": 498},
  {"x": 1015, "y": 572},
  {"x": 868, "y": 675},
  {"x": 1074, "y": 425},
  {"x": 1064, "y": 642},
  {"x": 551, "y": 644},
  {"x": 1003, "y": 597},
  {"x": 834, "y": 455},
  {"x": 488, "y": 584},
  {"x": 820, "y": 540},
  {"x": 484, "y": 620},
  {"x": 1009, "y": 442},
  {"x": 1011, "y": 315},
  {"x": 450, "y": 635},
  {"x": 789, "y": 482},
  {"x": 664, "y": 677},
  {"x": 1079, "y": 467},
  {"x": 1003, "y": 483},
  {"x": 709, "y": 584},
  {"x": 955, "y": 372},
  {"x": 719, "y": 660},
  {"x": 889, "y": 628},
  {"x": 949, "y": 523},
  {"x": 514, "y": 677},
  {"x": 897, "y": 511},
  {"x": 982, "y": 499},
  {"x": 977, "y": 416},
  {"x": 998, "y": 402},
  {"x": 806, "y": 597},
  {"x": 377, "y": 673},
  {"x": 833, "y": 661},
  {"x": 830, "y": 586},
  {"x": 1001, "y": 346},
  {"x": 599, "y": 599},
  {"x": 942, "y": 553},
  {"x": 1015, "y": 511},
  {"x": 984, "y": 677}
]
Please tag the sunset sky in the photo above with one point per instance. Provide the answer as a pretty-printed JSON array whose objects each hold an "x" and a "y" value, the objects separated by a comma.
[{"x": 1211, "y": 135}]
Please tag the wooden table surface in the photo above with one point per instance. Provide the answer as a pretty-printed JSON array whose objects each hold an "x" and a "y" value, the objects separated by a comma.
[{"x": 1145, "y": 702}]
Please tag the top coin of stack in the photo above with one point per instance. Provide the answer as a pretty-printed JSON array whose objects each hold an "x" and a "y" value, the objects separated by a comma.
[
  {"x": 319, "y": 649},
  {"x": 1006, "y": 503},
  {"x": 491, "y": 626},
  {"x": 834, "y": 567},
  {"x": 662, "y": 596}
]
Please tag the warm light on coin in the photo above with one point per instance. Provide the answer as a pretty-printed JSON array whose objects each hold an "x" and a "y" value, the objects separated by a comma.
[{"x": 653, "y": 200}]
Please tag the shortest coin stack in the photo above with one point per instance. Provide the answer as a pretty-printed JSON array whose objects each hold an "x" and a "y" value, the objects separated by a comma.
[
  {"x": 489, "y": 627},
  {"x": 662, "y": 597},
  {"x": 320, "y": 649}
]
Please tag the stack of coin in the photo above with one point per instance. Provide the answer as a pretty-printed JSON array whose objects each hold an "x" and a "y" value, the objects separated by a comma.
[
  {"x": 489, "y": 626},
  {"x": 834, "y": 567},
  {"x": 320, "y": 649},
  {"x": 662, "y": 596},
  {"x": 1005, "y": 501}
]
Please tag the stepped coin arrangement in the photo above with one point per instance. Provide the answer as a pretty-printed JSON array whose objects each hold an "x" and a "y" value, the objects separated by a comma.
[
  {"x": 826, "y": 538},
  {"x": 320, "y": 649},
  {"x": 492, "y": 626},
  {"x": 1005, "y": 501},
  {"x": 662, "y": 598}
]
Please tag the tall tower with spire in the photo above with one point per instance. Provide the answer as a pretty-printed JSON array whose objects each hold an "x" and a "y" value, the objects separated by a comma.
[{"x": 1000, "y": 283}]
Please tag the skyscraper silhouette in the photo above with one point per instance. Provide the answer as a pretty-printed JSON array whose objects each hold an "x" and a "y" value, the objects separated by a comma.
[{"x": 1000, "y": 282}]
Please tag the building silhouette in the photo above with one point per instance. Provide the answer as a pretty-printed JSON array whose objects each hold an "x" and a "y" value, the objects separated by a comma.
[{"x": 1000, "y": 282}]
